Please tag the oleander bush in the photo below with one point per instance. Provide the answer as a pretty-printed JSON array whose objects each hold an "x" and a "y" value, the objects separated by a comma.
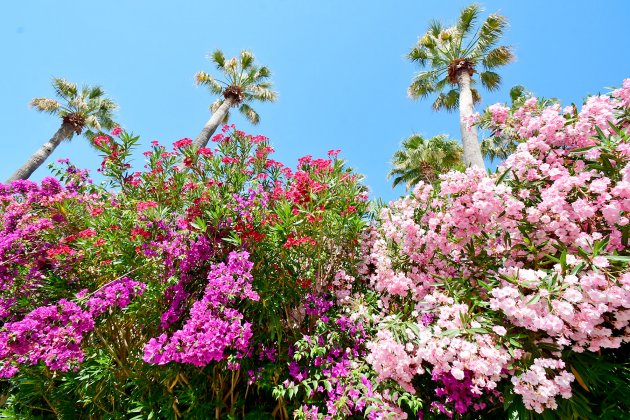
[{"x": 509, "y": 295}]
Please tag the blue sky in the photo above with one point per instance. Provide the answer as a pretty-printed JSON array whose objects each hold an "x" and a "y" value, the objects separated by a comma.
[{"x": 338, "y": 67}]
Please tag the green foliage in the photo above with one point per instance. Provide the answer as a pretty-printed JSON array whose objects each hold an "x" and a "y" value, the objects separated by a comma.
[
  {"x": 421, "y": 159},
  {"x": 463, "y": 47},
  {"x": 243, "y": 82},
  {"x": 88, "y": 105}
]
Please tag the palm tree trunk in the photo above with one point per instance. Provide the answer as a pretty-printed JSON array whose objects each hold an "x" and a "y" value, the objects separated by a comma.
[
  {"x": 65, "y": 132},
  {"x": 470, "y": 141},
  {"x": 213, "y": 123}
]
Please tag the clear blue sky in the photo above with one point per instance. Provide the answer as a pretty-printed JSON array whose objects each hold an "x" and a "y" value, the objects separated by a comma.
[{"x": 338, "y": 66}]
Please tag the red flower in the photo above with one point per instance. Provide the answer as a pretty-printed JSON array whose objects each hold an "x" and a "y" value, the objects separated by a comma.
[
  {"x": 60, "y": 250},
  {"x": 303, "y": 283},
  {"x": 116, "y": 131},
  {"x": 228, "y": 160},
  {"x": 182, "y": 143},
  {"x": 204, "y": 151},
  {"x": 96, "y": 212},
  {"x": 135, "y": 233},
  {"x": 87, "y": 233},
  {"x": 143, "y": 205},
  {"x": 293, "y": 241}
]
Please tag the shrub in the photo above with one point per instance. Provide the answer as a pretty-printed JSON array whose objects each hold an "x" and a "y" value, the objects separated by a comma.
[
  {"x": 174, "y": 291},
  {"x": 512, "y": 291}
]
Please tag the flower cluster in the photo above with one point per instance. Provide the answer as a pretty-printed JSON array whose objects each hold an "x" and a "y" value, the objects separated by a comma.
[
  {"x": 496, "y": 278},
  {"x": 213, "y": 327},
  {"x": 539, "y": 388},
  {"x": 54, "y": 333}
]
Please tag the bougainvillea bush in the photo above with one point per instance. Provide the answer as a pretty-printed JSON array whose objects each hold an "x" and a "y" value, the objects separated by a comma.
[
  {"x": 175, "y": 291},
  {"x": 509, "y": 295}
]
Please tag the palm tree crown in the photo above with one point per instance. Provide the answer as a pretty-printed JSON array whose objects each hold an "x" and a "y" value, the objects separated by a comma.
[
  {"x": 243, "y": 82},
  {"x": 421, "y": 159},
  {"x": 79, "y": 109},
  {"x": 85, "y": 108},
  {"x": 445, "y": 51}
]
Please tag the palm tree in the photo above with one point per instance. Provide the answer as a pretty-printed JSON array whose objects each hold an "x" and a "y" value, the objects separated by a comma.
[
  {"x": 244, "y": 82},
  {"x": 78, "y": 109},
  {"x": 452, "y": 56},
  {"x": 421, "y": 159}
]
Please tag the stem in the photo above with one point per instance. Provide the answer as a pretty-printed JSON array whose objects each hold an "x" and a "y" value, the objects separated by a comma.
[{"x": 113, "y": 353}]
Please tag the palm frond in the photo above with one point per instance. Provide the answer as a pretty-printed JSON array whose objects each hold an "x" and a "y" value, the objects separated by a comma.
[
  {"x": 498, "y": 147},
  {"x": 106, "y": 105},
  {"x": 490, "y": 32},
  {"x": 519, "y": 93},
  {"x": 468, "y": 18},
  {"x": 423, "y": 159},
  {"x": 435, "y": 28},
  {"x": 215, "y": 105},
  {"x": 218, "y": 58},
  {"x": 423, "y": 84},
  {"x": 251, "y": 115},
  {"x": 247, "y": 59},
  {"x": 78, "y": 104},
  {"x": 499, "y": 56},
  {"x": 419, "y": 54},
  {"x": 448, "y": 101},
  {"x": 64, "y": 88},
  {"x": 441, "y": 84},
  {"x": 204, "y": 79},
  {"x": 92, "y": 122},
  {"x": 263, "y": 94},
  {"x": 94, "y": 92},
  {"x": 490, "y": 80},
  {"x": 106, "y": 121},
  {"x": 48, "y": 105},
  {"x": 231, "y": 66},
  {"x": 262, "y": 73},
  {"x": 475, "y": 96}
]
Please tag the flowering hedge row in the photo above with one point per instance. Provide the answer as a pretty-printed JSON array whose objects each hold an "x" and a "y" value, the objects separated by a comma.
[{"x": 220, "y": 283}]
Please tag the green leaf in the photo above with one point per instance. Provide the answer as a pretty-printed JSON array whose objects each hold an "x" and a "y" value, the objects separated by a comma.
[
  {"x": 451, "y": 333},
  {"x": 533, "y": 300},
  {"x": 502, "y": 177}
]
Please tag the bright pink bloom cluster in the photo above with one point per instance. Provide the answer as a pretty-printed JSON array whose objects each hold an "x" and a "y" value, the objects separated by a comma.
[
  {"x": 213, "y": 327},
  {"x": 53, "y": 334}
]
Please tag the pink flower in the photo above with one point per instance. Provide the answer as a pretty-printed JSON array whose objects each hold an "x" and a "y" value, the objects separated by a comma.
[
  {"x": 601, "y": 262},
  {"x": 182, "y": 143},
  {"x": 204, "y": 151},
  {"x": 499, "y": 330}
]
